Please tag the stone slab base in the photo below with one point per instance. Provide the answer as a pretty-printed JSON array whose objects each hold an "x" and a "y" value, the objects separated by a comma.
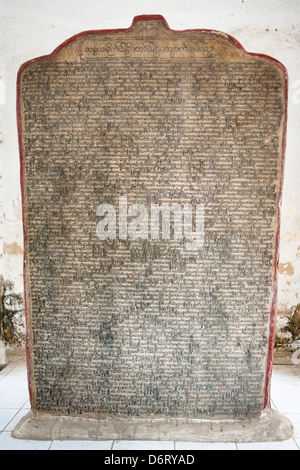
[{"x": 269, "y": 427}]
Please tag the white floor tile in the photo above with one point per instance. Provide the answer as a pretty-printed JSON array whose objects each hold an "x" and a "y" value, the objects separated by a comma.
[
  {"x": 204, "y": 446},
  {"x": 13, "y": 382},
  {"x": 6, "y": 415},
  {"x": 143, "y": 445},
  {"x": 283, "y": 373},
  {"x": 290, "y": 444},
  {"x": 81, "y": 445},
  {"x": 296, "y": 369},
  {"x": 285, "y": 395},
  {"x": 20, "y": 369},
  {"x": 27, "y": 405},
  {"x": 13, "y": 398},
  {"x": 7, "y": 442},
  {"x": 273, "y": 406},
  {"x": 298, "y": 442},
  {"x": 16, "y": 419},
  {"x": 7, "y": 369}
]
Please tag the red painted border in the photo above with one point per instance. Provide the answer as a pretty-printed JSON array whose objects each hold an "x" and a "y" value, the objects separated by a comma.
[{"x": 136, "y": 19}]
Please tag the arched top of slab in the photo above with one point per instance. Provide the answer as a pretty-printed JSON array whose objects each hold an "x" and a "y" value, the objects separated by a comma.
[{"x": 150, "y": 38}]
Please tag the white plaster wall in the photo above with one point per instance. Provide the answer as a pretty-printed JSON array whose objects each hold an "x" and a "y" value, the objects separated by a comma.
[{"x": 31, "y": 28}]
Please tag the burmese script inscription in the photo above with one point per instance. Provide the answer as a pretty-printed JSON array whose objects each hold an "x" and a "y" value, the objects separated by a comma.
[{"x": 138, "y": 48}]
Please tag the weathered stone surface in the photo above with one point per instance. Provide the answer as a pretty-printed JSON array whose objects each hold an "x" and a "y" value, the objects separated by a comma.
[
  {"x": 141, "y": 327},
  {"x": 272, "y": 427}
]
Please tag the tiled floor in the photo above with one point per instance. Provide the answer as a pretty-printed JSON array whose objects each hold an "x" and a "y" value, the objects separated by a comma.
[{"x": 14, "y": 404}]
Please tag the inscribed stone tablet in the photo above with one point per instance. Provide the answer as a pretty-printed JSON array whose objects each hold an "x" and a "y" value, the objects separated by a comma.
[{"x": 151, "y": 167}]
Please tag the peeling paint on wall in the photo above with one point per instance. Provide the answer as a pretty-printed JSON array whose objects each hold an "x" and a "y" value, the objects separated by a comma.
[
  {"x": 286, "y": 268},
  {"x": 12, "y": 249}
]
